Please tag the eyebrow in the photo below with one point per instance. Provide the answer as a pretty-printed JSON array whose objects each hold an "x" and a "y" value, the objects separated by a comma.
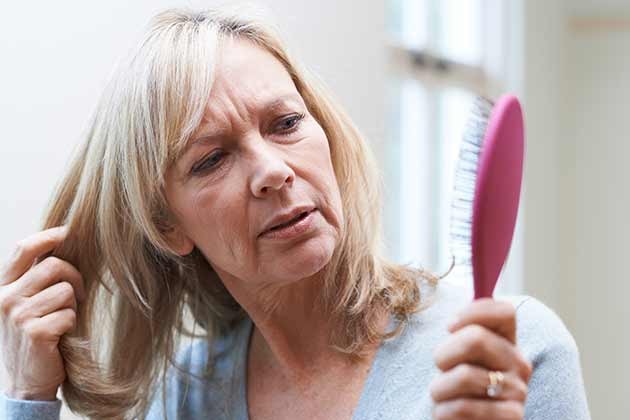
[{"x": 272, "y": 105}]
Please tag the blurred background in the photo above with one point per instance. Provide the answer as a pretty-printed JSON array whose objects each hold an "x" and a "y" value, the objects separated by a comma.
[{"x": 406, "y": 70}]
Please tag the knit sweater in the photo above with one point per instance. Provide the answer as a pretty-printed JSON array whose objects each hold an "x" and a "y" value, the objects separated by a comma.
[{"x": 397, "y": 386}]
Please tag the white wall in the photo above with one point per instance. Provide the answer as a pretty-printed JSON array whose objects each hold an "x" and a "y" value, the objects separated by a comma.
[
  {"x": 541, "y": 75},
  {"x": 577, "y": 91},
  {"x": 594, "y": 244}
]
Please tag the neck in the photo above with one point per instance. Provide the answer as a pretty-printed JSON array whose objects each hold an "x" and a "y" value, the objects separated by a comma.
[{"x": 292, "y": 335}]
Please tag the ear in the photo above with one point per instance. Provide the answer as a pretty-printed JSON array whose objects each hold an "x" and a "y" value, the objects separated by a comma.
[{"x": 179, "y": 242}]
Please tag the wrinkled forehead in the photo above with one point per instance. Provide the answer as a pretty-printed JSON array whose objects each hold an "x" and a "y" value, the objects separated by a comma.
[
  {"x": 249, "y": 81},
  {"x": 247, "y": 77},
  {"x": 238, "y": 70}
]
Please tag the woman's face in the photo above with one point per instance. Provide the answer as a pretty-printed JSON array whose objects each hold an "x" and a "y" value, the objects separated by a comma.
[{"x": 256, "y": 155}]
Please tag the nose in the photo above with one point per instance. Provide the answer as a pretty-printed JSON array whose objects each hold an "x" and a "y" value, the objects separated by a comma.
[{"x": 271, "y": 172}]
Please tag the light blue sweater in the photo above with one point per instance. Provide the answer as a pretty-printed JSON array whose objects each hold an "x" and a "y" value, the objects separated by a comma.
[{"x": 397, "y": 385}]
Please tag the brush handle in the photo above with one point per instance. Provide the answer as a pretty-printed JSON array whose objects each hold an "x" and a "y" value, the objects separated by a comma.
[{"x": 497, "y": 193}]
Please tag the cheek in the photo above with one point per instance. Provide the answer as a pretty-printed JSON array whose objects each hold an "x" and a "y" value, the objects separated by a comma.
[
  {"x": 319, "y": 173},
  {"x": 217, "y": 216}
]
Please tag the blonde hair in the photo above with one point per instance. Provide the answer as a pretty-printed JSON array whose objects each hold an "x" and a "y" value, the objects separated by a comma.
[{"x": 112, "y": 199}]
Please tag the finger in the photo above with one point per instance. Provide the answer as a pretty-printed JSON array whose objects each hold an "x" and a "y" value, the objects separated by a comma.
[
  {"x": 51, "y": 270},
  {"x": 58, "y": 296},
  {"x": 469, "y": 381},
  {"x": 28, "y": 249},
  {"x": 472, "y": 409},
  {"x": 498, "y": 316},
  {"x": 52, "y": 326},
  {"x": 479, "y": 346}
]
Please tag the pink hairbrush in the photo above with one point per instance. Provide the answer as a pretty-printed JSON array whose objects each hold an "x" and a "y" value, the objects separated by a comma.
[{"x": 487, "y": 190}]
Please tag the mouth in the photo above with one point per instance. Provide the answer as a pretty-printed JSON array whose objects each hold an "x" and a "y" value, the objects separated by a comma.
[
  {"x": 300, "y": 223},
  {"x": 293, "y": 221}
]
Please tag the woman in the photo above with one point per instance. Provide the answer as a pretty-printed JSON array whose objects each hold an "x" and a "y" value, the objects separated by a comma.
[{"x": 220, "y": 179}]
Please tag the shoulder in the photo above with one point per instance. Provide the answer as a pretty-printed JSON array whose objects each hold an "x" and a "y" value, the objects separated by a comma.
[
  {"x": 202, "y": 378},
  {"x": 200, "y": 356},
  {"x": 556, "y": 388},
  {"x": 540, "y": 331},
  {"x": 212, "y": 360}
]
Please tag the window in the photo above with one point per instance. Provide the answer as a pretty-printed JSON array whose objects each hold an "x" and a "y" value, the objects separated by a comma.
[{"x": 442, "y": 54}]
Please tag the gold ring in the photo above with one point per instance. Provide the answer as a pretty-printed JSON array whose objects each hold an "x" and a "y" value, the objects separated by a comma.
[{"x": 496, "y": 384}]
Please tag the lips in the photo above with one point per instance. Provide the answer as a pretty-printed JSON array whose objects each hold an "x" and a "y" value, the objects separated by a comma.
[
  {"x": 295, "y": 219},
  {"x": 287, "y": 218}
]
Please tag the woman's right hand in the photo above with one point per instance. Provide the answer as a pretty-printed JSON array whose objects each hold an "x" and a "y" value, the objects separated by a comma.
[{"x": 38, "y": 303}]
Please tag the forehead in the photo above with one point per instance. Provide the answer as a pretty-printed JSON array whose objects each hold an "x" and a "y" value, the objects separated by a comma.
[
  {"x": 248, "y": 80},
  {"x": 249, "y": 75}
]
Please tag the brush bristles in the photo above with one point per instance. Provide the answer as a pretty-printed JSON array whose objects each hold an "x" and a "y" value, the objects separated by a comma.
[{"x": 465, "y": 179}]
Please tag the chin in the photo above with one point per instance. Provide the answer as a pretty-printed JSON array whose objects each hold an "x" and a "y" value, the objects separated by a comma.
[{"x": 311, "y": 257}]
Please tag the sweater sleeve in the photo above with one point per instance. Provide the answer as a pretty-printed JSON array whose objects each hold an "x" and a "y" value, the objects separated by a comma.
[
  {"x": 556, "y": 387},
  {"x": 11, "y": 409}
]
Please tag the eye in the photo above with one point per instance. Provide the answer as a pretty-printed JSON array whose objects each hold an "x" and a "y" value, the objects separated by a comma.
[
  {"x": 207, "y": 163},
  {"x": 290, "y": 124}
]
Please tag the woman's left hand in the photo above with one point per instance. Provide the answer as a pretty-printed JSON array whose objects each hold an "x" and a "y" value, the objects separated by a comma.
[{"x": 481, "y": 350}]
